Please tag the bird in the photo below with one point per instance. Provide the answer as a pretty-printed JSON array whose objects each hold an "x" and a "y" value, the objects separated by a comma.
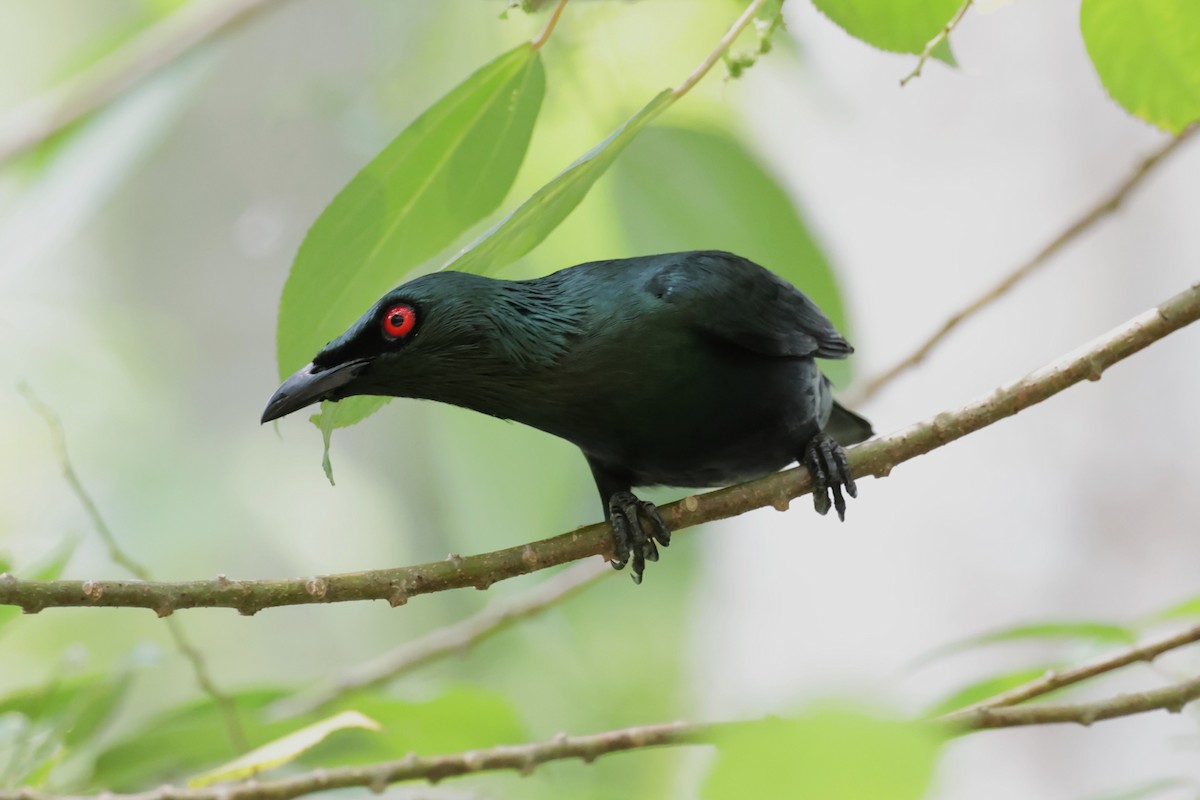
[{"x": 690, "y": 369}]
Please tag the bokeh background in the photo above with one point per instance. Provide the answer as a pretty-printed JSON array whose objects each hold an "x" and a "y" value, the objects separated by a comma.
[{"x": 141, "y": 262}]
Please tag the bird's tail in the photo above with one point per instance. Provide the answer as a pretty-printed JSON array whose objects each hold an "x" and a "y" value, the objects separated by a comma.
[{"x": 847, "y": 427}]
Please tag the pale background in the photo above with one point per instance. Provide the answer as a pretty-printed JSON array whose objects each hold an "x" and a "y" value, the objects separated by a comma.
[{"x": 140, "y": 274}]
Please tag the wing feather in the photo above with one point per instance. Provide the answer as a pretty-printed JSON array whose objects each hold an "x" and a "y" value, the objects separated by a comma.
[{"x": 734, "y": 299}]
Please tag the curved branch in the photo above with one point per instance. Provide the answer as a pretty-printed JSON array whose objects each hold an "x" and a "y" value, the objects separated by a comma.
[
  {"x": 525, "y": 758},
  {"x": 1106, "y": 206},
  {"x": 40, "y": 118},
  {"x": 877, "y": 457}
]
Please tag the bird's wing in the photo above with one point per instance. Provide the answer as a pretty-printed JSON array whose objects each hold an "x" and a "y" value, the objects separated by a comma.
[{"x": 734, "y": 299}]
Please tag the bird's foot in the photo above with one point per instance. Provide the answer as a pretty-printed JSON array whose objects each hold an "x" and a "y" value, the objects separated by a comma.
[
  {"x": 826, "y": 461},
  {"x": 631, "y": 541}
]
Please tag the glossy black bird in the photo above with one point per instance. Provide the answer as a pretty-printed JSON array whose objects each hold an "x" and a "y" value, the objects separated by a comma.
[{"x": 682, "y": 369}]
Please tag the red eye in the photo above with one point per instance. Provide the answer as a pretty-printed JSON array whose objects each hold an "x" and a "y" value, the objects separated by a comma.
[{"x": 399, "y": 321}]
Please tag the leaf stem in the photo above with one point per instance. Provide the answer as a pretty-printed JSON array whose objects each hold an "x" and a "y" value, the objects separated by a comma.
[
  {"x": 542, "y": 37},
  {"x": 935, "y": 41},
  {"x": 739, "y": 24}
]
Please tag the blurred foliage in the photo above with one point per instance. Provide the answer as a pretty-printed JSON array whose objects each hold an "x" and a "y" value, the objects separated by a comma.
[
  {"x": 695, "y": 182},
  {"x": 285, "y": 749},
  {"x": 191, "y": 739},
  {"x": 1146, "y": 56},
  {"x": 901, "y": 26},
  {"x": 832, "y": 754}
]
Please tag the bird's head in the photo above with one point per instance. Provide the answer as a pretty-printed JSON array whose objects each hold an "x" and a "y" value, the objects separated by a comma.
[
  {"x": 392, "y": 348},
  {"x": 454, "y": 337}
]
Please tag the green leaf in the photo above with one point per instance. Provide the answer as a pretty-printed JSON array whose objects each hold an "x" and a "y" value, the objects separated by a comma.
[
  {"x": 327, "y": 421},
  {"x": 443, "y": 174},
  {"x": 901, "y": 26},
  {"x": 982, "y": 690},
  {"x": 1089, "y": 632},
  {"x": 1147, "y": 54},
  {"x": 463, "y": 718},
  {"x": 527, "y": 226},
  {"x": 193, "y": 738},
  {"x": 283, "y": 750},
  {"x": 830, "y": 754},
  {"x": 81, "y": 705},
  {"x": 182, "y": 741},
  {"x": 942, "y": 52},
  {"x": 1188, "y": 609},
  {"x": 686, "y": 189}
]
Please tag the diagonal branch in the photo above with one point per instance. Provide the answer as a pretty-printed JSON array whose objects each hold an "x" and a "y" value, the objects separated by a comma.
[
  {"x": 445, "y": 641},
  {"x": 877, "y": 457},
  {"x": 1170, "y": 698},
  {"x": 525, "y": 758},
  {"x": 42, "y": 117},
  {"x": 233, "y": 724},
  {"x": 1106, "y": 206},
  {"x": 1058, "y": 679}
]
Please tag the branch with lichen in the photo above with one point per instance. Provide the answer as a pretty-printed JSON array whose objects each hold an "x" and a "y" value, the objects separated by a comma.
[
  {"x": 876, "y": 458},
  {"x": 525, "y": 758}
]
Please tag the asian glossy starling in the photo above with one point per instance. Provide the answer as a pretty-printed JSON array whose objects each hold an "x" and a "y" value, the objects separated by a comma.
[{"x": 683, "y": 369}]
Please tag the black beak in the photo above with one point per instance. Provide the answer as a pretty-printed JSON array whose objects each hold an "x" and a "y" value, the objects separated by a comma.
[{"x": 312, "y": 385}]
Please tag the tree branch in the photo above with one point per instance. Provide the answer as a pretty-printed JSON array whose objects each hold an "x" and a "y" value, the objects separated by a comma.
[
  {"x": 1171, "y": 698},
  {"x": 1060, "y": 678},
  {"x": 877, "y": 457},
  {"x": 932, "y": 44},
  {"x": 41, "y": 117},
  {"x": 455, "y": 638},
  {"x": 1106, "y": 206},
  {"x": 229, "y": 713},
  {"x": 525, "y": 758}
]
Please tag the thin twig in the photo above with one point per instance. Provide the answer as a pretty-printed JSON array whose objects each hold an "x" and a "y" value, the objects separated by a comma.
[
  {"x": 525, "y": 758},
  {"x": 932, "y": 44},
  {"x": 233, "y": 725},
  {"x": 41, "y": 117},
  {"x": 544, "y": 36},
  {"x": 456, "y": 638},
  {"x": 1106, "y": 206},
  {"x": 1057, "y": 679},
  {"x": 877, "y": 457},
  {"x": 739, "y": 24},
  {"x": 1169, "y": 698}
]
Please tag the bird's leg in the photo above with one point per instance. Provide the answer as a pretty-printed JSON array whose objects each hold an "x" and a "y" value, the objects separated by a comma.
[
  {"x": 630, "y": 518},
  {"x": 826, "y": 461}
]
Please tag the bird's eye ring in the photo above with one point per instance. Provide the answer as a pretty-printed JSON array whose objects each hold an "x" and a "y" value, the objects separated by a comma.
[{"x": 399, "y": 321}]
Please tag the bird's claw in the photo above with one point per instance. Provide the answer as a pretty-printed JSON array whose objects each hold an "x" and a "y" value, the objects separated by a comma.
[
  {"x": 826, "y": 461},
  {"x": 629, "y": 518}
]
